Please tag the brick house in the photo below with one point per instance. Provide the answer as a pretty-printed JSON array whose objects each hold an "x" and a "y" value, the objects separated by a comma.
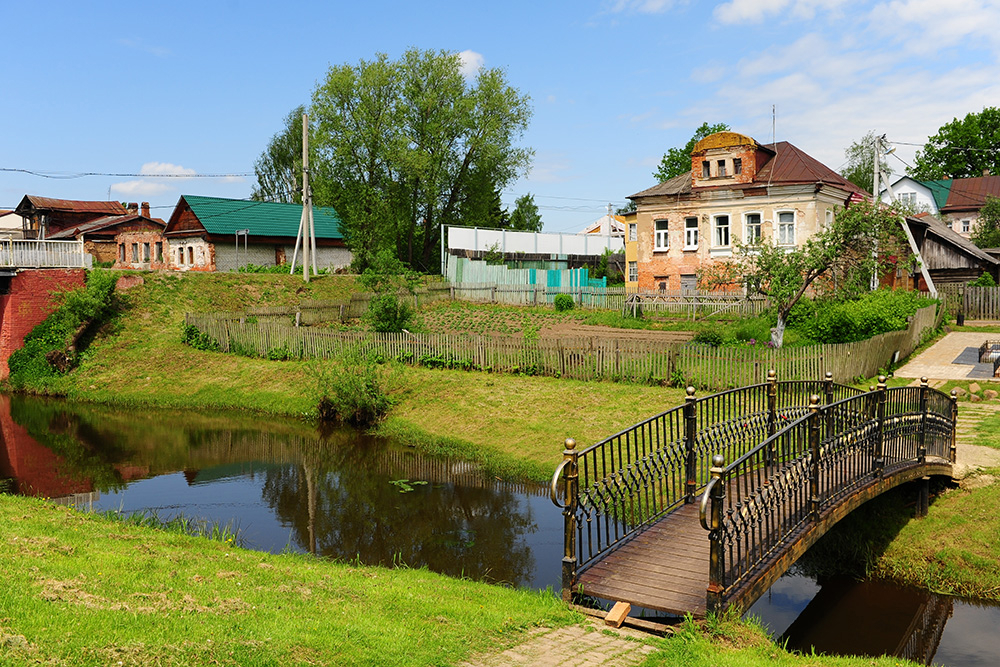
[
  {"x": 737, "y": 191},
  {"x": 101, "y": 236},
  {"x": 202, "y": 234}
]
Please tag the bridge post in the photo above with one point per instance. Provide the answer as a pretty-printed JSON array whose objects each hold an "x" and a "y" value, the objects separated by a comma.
[
  {"x": 814, "y": 452},
  {"x": 772, "y": 413},
  {"x": 954, "y": 424},
  {"x": 571, "y": 487},
  {"x": 880, "y": 433},
  {"x": 690, "y": 445},
  {"x": 716, "y": 554},
  {"x": 828, "y": 391},
  {"x": 922, "y": 437}
]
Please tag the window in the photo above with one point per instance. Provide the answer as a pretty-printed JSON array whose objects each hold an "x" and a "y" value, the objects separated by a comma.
[
  {"x": 159, "y": 251},
  {"x": 662, "y": 240},
  {"x": 752, "y": 225},
  {"x": 966, "y": 226},
  {"x": 180, "y": 256},
  {"x": 706, "y": 169},
  {"x": 135, "y": 252},
  {"x": 190, "y": 255},
  {"x": 632, "y": 235},
  {"x": 721, "y": 173},
  {"x": 633, "y": 272},
  {"x": 786, "y": 228},
  {"x": 737, "y": 166},
  {"x": 145, "y": 252},
  {"x": 121, "y": 252},
  {"x": 908, "y": 198},
  {"x": 722, "y": 230},
  {"x": 949, "y": 224},
  {"x": 691, "y": 233}
]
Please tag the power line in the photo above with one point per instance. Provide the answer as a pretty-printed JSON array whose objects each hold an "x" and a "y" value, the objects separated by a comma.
[{"x": 68, "y": 175}]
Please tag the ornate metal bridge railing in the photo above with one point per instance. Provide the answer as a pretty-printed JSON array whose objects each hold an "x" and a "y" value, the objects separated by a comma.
[
  {"x": 616, "y": 487},
  {"x": 760, "y": 500}
]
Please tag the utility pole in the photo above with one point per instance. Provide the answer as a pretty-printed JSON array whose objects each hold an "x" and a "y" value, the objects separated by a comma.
[{"x": 307, "y": 235}]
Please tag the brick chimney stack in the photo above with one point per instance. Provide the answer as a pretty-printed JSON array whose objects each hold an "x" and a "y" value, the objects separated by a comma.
[
  {"x": 145, "y": 209},
  {"x": 133, "y": 208}
]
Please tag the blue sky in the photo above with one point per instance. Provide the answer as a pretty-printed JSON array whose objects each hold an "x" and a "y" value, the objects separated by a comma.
[{"x": 200, "y": 87}]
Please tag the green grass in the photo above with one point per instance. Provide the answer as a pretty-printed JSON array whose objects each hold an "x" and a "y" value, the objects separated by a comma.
[{"x": 81, "y": 589}]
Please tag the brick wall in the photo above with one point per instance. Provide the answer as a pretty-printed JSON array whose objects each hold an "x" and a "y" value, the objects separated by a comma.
[{"x": 28, "y": 302}]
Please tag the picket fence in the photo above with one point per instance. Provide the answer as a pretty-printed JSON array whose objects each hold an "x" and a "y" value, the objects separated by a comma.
[
  {"x": 978, "y": 303},
  {"x": 583, "y": 358}
]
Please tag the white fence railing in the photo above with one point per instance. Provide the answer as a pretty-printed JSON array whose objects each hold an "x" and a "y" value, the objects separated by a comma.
[{"x": 32, "y": 253}]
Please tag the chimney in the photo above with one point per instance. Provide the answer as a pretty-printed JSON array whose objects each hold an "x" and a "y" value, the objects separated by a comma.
[
  {"x": 133, "y": 208},
  {"x": 145, "y": 209}
]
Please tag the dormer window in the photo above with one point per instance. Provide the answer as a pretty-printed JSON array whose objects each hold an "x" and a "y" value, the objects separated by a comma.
[
  {"x": 737, "y": 166},
  {"x": 706, "y": 169},
  {"x": 721, "y": 173}
]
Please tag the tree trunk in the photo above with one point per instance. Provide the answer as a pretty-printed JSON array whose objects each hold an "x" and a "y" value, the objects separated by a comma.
[
  {"x": 778, "y": 331},
  {"x": 62, "y": 360}
]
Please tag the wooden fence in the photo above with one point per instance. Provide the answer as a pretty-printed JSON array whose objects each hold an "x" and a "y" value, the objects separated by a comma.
[
  {"x": 584, "y": 358},
  {"x": 978, "y": 303}
]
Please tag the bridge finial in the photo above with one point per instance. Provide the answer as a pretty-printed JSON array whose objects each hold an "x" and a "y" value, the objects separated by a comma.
[
  {"x": 690, "y": 392},
  {"x": 814, "y": 402},
  {"x": 881, "y": 382},
  {"x": 570, "y": 444},
  {"x": 718, "y": 461},
  {"x": 923, "y": 381},
  {"x": 772, "y": 375},
  {"x": 829, "y": 375}
]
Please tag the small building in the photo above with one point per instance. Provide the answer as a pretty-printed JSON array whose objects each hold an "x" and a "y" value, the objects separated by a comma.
[
  {"x": 216, "y": 234},
  {"x": 44, "y": 216},
  {"x": 955, "y": 201},
  {"x": 101, "y": 236},
  {"x": 11, "y": 225},
  {"x": 948, "y": 255}
]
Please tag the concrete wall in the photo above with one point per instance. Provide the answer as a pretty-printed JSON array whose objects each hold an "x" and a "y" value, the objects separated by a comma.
[
  {"x": 29, "y": 300},
  {"x": 228, "y": 259}
]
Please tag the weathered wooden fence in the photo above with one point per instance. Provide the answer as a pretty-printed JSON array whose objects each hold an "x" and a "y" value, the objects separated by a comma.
[
  {"x": 978, "y": 303},
  {"x": 584, "y": 358}
]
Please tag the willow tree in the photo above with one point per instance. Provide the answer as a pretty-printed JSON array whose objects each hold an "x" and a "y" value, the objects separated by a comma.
[{"x": 403, "y": 144}]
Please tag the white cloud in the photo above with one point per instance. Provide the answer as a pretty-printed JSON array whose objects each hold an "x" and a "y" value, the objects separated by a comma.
[
  {"x": 939, "y": 24},
  {"x": 471, "y": 63},
  {"x": 165, "y": 169},
  {"x": 140, "y": 188},
  {"x": 755, "y": 11},
  {"x": 640, "y": 6},
  {"x": 549, "y": 169}
]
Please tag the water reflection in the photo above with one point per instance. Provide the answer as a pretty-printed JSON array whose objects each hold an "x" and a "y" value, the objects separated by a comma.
[{"x": 339, "y": 494}]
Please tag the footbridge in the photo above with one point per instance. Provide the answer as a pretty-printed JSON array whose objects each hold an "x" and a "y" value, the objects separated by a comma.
[{"x": 702, "y": 507}]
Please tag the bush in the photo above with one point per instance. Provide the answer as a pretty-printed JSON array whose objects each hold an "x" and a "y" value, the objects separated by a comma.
[
  {"x": 710, "y": 337},
  {"x": 353, "y": 390},
  {"x": 985, "y": 280},
  {"x": 387, "y": 313},
  {"x": 876, "y": 313},
  {"x": 193, "y": 336},
  {"x": 563, "y": 302}
]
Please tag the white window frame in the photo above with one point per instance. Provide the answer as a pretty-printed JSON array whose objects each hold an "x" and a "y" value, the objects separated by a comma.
[
  {"x": 633, "y": 234},
  {"x": 747, "y": 225},
  {"x": 966, "y": 226},
  {"x": 661, "y": 238},
  {"x": 719, "y": 230},
  {"x": 829, "y": 219},
  {"x": 633, "y": 272},
  {"x": 781, "y": 237},
  {"x": 909, "y": 198},
  {"x": 691, "y": 233}
]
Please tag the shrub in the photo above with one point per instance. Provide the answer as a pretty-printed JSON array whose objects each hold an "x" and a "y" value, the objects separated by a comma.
[
  {"x": 196, "y": 338},
  {"x": 875, "y": 313},
  {"x": 387, "y": 313},
  {"x": 985, "y": 280},
  {"x": 563, "y": 302},
  {"x": 709, "y": 337},
  {"x": 353, "y": 390}
]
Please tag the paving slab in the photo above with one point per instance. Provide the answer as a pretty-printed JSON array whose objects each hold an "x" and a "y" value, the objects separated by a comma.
[{"x": 954, "y": 357}]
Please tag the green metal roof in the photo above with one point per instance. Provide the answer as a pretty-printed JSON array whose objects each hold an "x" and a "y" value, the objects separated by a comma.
[
  {"x": 226, "y": 216},
  {"x": 939, "y": 189}
]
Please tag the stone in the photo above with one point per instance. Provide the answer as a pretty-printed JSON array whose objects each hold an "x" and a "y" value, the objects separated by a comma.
[
  {"x": 975, "y": 388},
  {"x": 973, "y": 398},
  {"x": 989, "y": 395},
  {"x": 959, "y": 391}
]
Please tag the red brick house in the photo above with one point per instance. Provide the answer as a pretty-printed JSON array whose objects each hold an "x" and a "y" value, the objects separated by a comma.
[
  {"x": 101, "y": 237},
  {"x": 44, "y": 216}
]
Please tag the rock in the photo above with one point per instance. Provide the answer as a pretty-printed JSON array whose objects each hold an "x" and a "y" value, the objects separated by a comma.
[
  {"x": 959, "y": 391},
  {"x": 974, "y": 398},
  {"x": 989, "y": 395},
  {"x": 975, "y": 388}
]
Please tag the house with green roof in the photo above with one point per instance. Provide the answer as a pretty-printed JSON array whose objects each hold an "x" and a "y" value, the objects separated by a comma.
[
  {"x": 956, "y": 201},
  {"x": 216, "y": 234}
]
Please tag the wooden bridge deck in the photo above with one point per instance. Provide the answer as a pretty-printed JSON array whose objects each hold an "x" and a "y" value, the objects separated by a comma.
[{"x": 665, "y": 567}]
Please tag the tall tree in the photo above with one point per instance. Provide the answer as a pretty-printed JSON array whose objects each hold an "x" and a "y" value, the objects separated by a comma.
[
  {"x": 987, "y": 231},
  {"x": 417, "y": 139},
  {"x": 677, "y": 161},
  {"x": 525, "y": 216},
  {"x": 279, "y": 168},
  {"x": 862, "y": 242},
  {"x": 860, "y": 168},
  {"x": 961, "y": 148}
]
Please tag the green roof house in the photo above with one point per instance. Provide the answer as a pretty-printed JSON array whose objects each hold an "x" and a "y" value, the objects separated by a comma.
[{"x": 215, "y": 234}]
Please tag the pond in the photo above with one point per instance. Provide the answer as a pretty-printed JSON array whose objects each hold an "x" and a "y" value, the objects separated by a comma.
[{"x": 341, "y": 494}]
